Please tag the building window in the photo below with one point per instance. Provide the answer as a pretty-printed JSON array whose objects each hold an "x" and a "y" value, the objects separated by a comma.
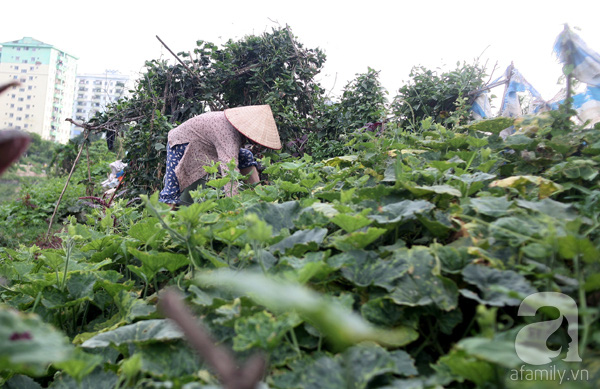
[
  {"x": 23, "y": 70},
  {"x": 29, "y": 87},
  {"x": 16, "y": 67},
  {"x": 20, "y": 99}
]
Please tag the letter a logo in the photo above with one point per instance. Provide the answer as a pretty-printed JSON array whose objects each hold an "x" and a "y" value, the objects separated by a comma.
[{"x": 530, "y": 343}]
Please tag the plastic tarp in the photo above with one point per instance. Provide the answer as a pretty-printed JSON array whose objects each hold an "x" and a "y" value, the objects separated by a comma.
[
  {"x": 511, "y": 105},
  {"x": 584, "y": 65}
]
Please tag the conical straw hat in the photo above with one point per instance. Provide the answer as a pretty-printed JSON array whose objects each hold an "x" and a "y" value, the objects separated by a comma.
[{"x": 257, "y": 123}]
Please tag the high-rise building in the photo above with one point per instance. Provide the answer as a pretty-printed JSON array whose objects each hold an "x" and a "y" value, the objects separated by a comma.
[
  {"x": 44, "y": 99},
  {"x": 93, "y": 92}
]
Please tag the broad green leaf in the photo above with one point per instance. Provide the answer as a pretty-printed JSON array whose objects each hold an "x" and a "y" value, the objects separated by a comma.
[
  {"x": 168, "y": 359},
  {"x": 28, "y": 345},
  {"x": 218, "y": 182},
  {"x": 495, "y": 126},
  {"x": 357, "y": 239},
  {"x": 423, "y": 190},
  {"x": 80, "y": 364},
  {"x": 382, "y": 311},
  {"x": 155, "y": 261},
  {"x": 343, "y": 327},
  {"x": 402, "y": 211},
  {"x": 337, "y": 161},
  {"x": 145, "y": 331},
  {"x": 439, "y": 225},
  {"x": 147, "y": 231},
  {"x": 491, "y": 206},
  {"x": 320, "y": 372},
  {"x": 301, "y": 241},
  {"x": 544, "y": 186},
  {"x": 552, "y": 208},
  {"x": 277, "y": 216},
  {"x": 422, "y": 284},
  {"x": 497, "y": 351},
  {"x": 516, "y": 230},
  {"x": 498, "y": 287},
  {"x": 466, "y": 367},
  {"x": 98, "y": 379},
  {"x": 262, "y": 330},
  {"x": 81, "y": 285},
  {"x": 367, "y": 269},
  {"x": 367, "y": 361},
  {"x": 350, "y": 223},
  {"x": 518, "y": 142},
  {"x": 571, "y": 246}
]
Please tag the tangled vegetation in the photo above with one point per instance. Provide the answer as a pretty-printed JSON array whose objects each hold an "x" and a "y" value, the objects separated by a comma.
[{"x": 395, "y": 257}]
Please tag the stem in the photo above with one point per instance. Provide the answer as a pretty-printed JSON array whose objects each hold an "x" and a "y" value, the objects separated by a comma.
[
  {"x": 87, "y": 133},
  {"x": 37, "y": 301},
  {"x": 68, "y": 252},
  {"x": 295, "y": 341},
  {"x": 583, "y": 304}
]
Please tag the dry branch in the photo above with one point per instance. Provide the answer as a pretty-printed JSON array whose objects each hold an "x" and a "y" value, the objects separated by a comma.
[{"x": 222, "y": 361}]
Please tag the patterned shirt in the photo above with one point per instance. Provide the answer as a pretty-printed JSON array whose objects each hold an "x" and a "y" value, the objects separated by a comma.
[{"x": 211, "y": 138}]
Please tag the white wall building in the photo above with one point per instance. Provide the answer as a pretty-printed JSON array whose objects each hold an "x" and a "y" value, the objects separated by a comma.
[
  {"x": 94, "y": 92},
  {"x": 45, "y": 97}
]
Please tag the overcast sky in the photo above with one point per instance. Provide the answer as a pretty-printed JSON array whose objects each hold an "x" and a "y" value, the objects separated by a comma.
[{"x": 389, "y": 36}]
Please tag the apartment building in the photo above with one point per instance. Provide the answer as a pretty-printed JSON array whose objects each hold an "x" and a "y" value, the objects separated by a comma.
[
  {"x": 94, "y": 92},
  {"x": 44, "y": 98}
]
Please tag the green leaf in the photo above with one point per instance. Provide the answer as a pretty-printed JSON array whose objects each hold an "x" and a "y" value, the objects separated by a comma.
[
  {"x": 463, "y": 366},
  {"x": 81, "y": 285},
  {"x": 147, "y": 231},
  {"x": 350, "y": 223},
  {"x": 357, "y": 239},
  {"x": 497, "y": 351},
  {"x": 262, "y": 330},
  {"x": 421, "y": 191},
  {"x": 277, "y": 216},
  {"x": 366, "y": 361},
  {"x": 402, "y": 211},
  {"x": 367, "y": 269},
  {"x": 518, "y": 142},
  {"x": 145, "y": 331},
  {"x": 98, "y": 379},
  {"x": 301, "y": 241},
  {"x": 571, "y": 246},
  {"x": 28, "y": 345},
  {"x": 155, "y": 261},
  {"x": 491, "y": 206},
  {"x": 552, "y": 208},
  {"x": 80, "y": 364},
  {"x": 342, "y": 326},
  {"x": 498, "y": 287},
  {"x": 421, "y": 284},
  {"x": 167, "y": 360}
]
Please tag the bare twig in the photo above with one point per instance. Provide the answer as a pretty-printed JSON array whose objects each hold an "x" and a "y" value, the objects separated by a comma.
[
  {"x": 193, "y": 73},
  {"x": 222, "y": 361},
  {"x": 86, "y": 134}
]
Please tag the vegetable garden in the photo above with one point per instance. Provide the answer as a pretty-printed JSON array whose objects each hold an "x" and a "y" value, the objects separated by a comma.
[{"x": 399, "y": 262}]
